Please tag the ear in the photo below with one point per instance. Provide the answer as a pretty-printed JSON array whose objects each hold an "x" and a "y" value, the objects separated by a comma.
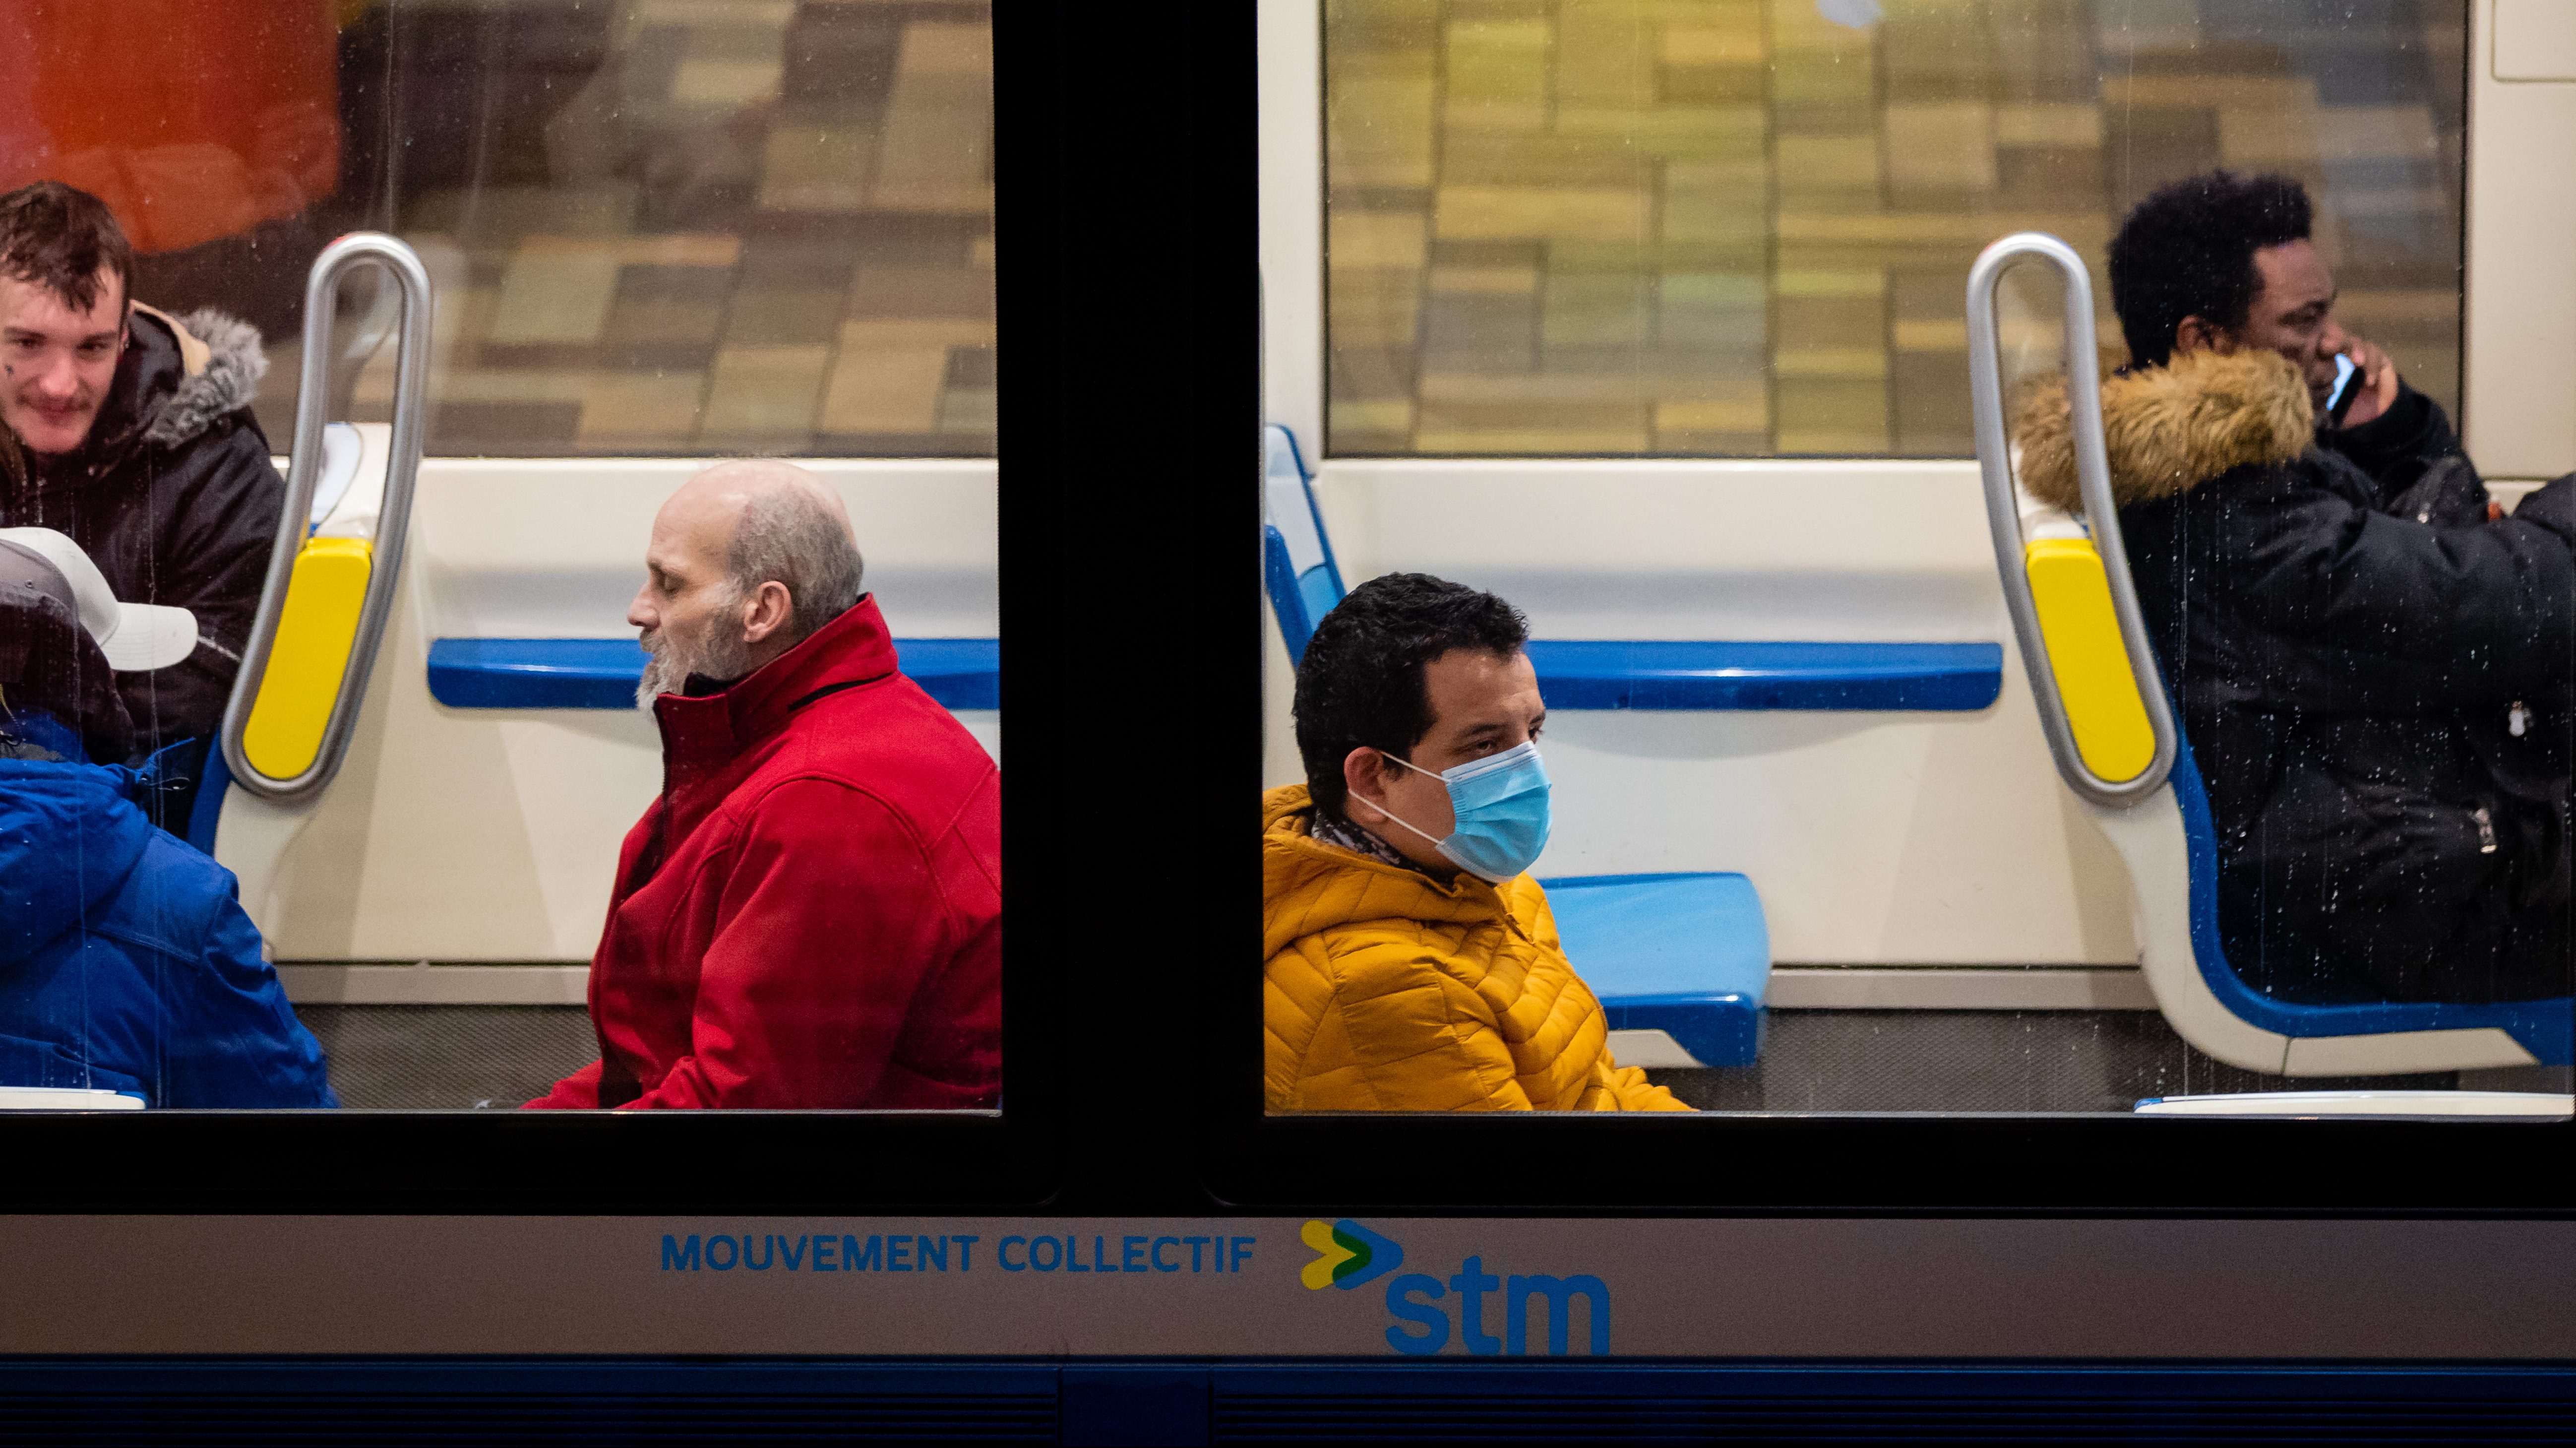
[
  {"x": 766, "y": 611},
  {"x": 2198, "y": 334},
  {"x": 1364, "y": 776}
]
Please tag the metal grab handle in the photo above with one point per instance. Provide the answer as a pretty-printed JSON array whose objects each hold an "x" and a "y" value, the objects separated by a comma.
[
  {"x": 2101, "y": 513},
  {"x": 303, "y": 473}
]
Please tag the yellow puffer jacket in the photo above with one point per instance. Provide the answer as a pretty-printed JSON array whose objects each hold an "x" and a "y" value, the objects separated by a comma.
[{"x": 1384, "y": 991}]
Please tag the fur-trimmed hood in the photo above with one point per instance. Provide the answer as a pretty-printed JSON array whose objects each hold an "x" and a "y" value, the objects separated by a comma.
[
  {"x": 221, "y": 362},
  {"x": 2168, "y": 429}
]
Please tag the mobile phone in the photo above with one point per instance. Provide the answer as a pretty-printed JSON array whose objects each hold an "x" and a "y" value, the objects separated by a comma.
[{"x": 2347, "y": 387}]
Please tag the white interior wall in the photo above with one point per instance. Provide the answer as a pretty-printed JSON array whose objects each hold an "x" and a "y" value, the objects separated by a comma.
[
  {"x": 1874, "y": 838},
  {"x": 2518, "y": 411},
  {"x": 492, "y": 835}
]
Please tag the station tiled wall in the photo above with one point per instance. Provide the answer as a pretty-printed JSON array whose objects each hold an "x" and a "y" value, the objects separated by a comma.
[
  {"x": 684, "y": 226},
  {"x": 1743, "y": 227}
]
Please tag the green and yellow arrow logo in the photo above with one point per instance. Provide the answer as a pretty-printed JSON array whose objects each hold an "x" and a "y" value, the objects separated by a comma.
[{"x": 1349, "y": 1254}]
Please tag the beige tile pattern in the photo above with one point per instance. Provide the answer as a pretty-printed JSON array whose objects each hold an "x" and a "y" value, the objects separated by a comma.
[
  {"x": 887, "y": 376},
  {"x": 818, "y": 168},
  {"x": 742, "y": 224},
  {"x": 555, "y": 290},
  {"x": 757, "y": 393},
  {"x": 625, "y": 411},
  {"x": 937, "y": 131},
  {"x": 1739, "y": 227}
]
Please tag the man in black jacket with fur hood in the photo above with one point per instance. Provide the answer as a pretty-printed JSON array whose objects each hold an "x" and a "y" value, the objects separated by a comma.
[
  {"x": 2372, "y": 665},
  {"x": 131, "y": 431}
]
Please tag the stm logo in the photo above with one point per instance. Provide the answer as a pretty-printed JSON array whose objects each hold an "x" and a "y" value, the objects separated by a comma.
[
  {"x": 1351, "y": 1255},
  {"x": 1348, "y": 1254}
]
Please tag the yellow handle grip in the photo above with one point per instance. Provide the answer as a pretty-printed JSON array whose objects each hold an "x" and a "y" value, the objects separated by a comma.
[
  {"x": 314, "y": 634},
  {"x": 2077, "y": 624}
]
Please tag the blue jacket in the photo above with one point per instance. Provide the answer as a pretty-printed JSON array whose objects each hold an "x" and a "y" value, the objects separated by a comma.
[{"x": 126, "y": 962}]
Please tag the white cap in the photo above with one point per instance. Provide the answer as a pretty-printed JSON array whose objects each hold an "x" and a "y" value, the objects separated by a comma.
[{"x": 134, "y": 636}]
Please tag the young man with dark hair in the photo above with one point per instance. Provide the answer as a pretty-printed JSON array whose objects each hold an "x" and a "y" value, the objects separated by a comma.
[
  {"x": 131, "y": 432},
  {"x": 1411, "y": 963},
  {"x": 2372, "y": 666}
]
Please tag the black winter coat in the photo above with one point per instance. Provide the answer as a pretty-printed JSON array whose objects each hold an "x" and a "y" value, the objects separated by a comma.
[
  {"x": 174, "y": 498},
  {"x": 2373, "y": 676}
]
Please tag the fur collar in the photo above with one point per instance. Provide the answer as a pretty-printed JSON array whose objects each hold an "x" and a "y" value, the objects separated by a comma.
[
  {"x": 2168, "y": 429},
  {"x": 222, "y": 361}
]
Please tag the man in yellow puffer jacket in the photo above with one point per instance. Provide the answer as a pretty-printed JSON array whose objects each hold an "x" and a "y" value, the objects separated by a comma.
[{"x": 1410, "y": 961}]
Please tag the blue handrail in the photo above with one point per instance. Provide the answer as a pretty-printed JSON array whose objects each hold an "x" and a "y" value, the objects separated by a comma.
[
  {"x": 473, "y": 673},
  {"x": 1738, "y": 674}
]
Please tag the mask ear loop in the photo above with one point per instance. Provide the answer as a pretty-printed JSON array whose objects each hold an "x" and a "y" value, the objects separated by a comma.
[{"x": 1390, "y": 814}]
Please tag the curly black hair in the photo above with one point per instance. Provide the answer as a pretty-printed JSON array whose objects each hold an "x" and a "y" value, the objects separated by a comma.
[
  {"x": 2188, "y": 251},
  {"x": 1360, "y": 685}
]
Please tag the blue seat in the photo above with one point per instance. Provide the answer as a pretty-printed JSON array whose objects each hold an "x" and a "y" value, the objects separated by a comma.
[
  {"x": 1685, "y": 954},
  {"x": 1296, "y": 555},
  {"x": 206, "y": 816},
  {"x": 2545, "y": 1027}
]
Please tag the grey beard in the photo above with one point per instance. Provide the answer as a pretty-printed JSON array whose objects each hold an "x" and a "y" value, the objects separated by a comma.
[
  {"x": 663, "y": 672},
  {"x": 671, "y": 662}
]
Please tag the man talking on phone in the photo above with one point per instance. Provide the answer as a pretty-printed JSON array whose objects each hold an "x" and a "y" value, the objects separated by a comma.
[{"x": 2371, "y": 661}]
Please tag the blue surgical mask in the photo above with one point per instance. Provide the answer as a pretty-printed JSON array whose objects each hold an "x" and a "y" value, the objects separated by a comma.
[{"x": 1500, "y": 804}]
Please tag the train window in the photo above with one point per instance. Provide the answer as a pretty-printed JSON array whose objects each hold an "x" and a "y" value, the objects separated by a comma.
[
  {"x": 1669, "y": 706},
  {"x": 1743, "y": 228},
  {"x": 611, "y": 715},
  {"x": 654, "y": 227}
]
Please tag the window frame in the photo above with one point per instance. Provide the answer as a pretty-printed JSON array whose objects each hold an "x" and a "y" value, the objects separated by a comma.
[
  {"x": 1855, "y": 1163},
  {"x": 1077, "y": 349}
]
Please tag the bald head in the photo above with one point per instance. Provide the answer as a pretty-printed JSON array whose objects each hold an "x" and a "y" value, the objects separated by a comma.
[
  {"x": 727, "y": 488},
  {"x": 747, "y": 559},
  {"x": 780, "y": 525}
]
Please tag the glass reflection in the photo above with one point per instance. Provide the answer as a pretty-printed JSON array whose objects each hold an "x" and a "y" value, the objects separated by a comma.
[
  {"x": 655, "y": 227},
  {"x": 1742, "y": 227}
]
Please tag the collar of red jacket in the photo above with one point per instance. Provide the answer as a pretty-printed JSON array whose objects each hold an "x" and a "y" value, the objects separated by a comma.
[{"x": 706, "y": 730}]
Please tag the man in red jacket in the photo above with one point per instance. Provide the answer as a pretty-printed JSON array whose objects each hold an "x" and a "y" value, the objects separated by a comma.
[{"x": 811, "y": 914}]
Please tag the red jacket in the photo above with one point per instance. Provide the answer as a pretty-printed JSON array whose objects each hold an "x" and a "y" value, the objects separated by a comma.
[{"x": 811, "y": 914}]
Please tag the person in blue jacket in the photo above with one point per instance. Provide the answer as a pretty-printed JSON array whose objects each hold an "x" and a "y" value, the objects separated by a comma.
[{"x": 126, "y": 963}]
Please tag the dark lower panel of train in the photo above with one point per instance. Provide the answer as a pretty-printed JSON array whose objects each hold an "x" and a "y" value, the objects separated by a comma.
[
  {"x": 270, "y": 1401},
  {"x": 449, "y": 1058},
  {"x": 461, "y": 1057},
  {"x": 2018, "y": 1061}
]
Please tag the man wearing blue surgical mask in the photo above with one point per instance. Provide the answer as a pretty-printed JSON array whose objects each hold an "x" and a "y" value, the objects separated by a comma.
[
  {"x": 1411, "y": 963},
  {"x": 1478, "y": 777}
]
